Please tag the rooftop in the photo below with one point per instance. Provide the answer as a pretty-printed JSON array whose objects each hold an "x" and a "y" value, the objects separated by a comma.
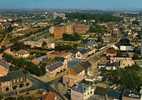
[
  {"x": 4, "y": 64},
  {"x": 54, "y": 66},
  {"x": 81, "y": 87},
  {"x": 13, "y": 75}
]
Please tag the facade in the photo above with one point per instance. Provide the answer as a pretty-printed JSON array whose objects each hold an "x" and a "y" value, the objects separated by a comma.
[
  {"x": 37, "y": 60},
  {"x": 82, "y": 91},
  {"x": 76, "y": 74},
  {"x": 4, "y": 68},
  {"x": 84, "y": 53},
  {"x": 73, "y": 77},
  {"x": 22, "y": 54},
  {"x": 111, "y": 52},
  {"x": 125, "y": 45},
  {"x": 59, "y": 31},
  {"x": 14, "y": 81},
  {"x": 71, "y": 28},
  {"x": 56, "y": 68},
  {"x": 63, "y": 54},
  {"x": 128, "y": 62},
  {"x": 18, "y": 54},
  {"x": 81, "y": 28}
]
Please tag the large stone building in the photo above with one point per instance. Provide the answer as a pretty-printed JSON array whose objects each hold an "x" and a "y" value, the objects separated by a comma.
[
  {"x": 81, "y": 28},
  {"x": 59, "y": 30},
  {"x": 14, "y": 81}
]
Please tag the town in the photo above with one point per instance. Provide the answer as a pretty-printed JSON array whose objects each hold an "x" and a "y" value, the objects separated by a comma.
[{"x": 70, "y": 55}]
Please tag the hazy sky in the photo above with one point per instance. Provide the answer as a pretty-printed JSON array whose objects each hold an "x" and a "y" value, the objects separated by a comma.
[{"x": 83, "y": 4}]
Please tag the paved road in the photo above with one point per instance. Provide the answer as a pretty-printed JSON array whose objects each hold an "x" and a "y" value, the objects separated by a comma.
[{"x": 46, "y": 86}]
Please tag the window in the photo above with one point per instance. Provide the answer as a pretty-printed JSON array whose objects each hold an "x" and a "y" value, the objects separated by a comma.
[
  {"x": 14, "y": 87},
  {"x": 21, "y": 85},
  {"x": 27, "y": 84},
  {"x": 7, "y": 89}
]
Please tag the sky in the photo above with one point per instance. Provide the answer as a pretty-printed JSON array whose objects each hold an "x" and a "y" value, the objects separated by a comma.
[{"x": 75, "y": 4}]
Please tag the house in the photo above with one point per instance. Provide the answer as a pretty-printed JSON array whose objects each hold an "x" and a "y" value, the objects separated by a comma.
[
  {"x": 82, "y": 91},
  {"x": 111, "y": 52},
  {"x": 18, "y": 54},
  {"x": 89, "y": 43},
  {"x": 127, "y": 62},
  {"x": 125, "y": 45},
  {"x": 56, "y": 68},
  {"x": 37, "y": 60},
  {"x": 74, "y": 76},
  {"x": 4, "y": 68},
  {"x": 22, "y": 54},
  {"x": 84, "y": 53},
  {"x": 51, "y": 45},
  {"x": 109, "y": 66},
  {"x": 14, "y": 81},
  {"x": 76, "y": 72},
  {"x": 130, "y": 95},
  {"x": 33, "y": 44},
  {"x": 64, "y": 54}
]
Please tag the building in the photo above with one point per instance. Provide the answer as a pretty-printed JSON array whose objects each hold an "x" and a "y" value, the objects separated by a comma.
[
  {"x": 82, "y": 91},
  {"x": 22, "y": 54},
  {"x": 76, "y": 73},
  {"x": 51, "y": 45},
  {"x": 18, "y": 54},
  {"x": 56, "y": 68},
  {"x": 4, "y": 68},
  {"x": 84, "y": 53},
  {"x": 69, "y": 29},
  {"x": 59, "y": 31},
  {"x": 81, "y": 28},
  {"x": 127, "y": 62},
  {"x": 37, "y": 60},
  {"x": 109, "y": 66},
  {"x": 63, "y": 54},
  {"x": 111, "y": 52},
  {"x": 125, "y": 45},
  {"x": 14, "y": 81},
  {"x": 33, "y": 44}
]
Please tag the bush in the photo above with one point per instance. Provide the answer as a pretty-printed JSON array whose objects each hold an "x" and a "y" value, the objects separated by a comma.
[{"x": 71, "y": 37}]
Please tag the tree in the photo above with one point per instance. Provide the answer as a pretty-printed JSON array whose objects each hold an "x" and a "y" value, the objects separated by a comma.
[
  {"x": 71, "y": 37},
  {"x": 97, "y": 29},
  {"x": 128, "y": 78}
]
